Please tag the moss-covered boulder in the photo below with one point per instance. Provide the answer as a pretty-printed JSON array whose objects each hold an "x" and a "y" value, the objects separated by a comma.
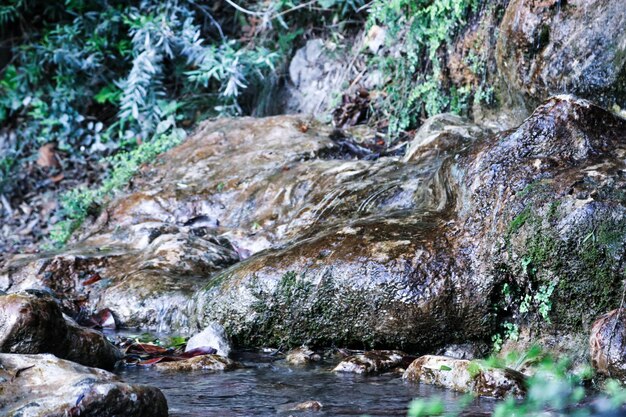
[{"x": 287, "y": 233}]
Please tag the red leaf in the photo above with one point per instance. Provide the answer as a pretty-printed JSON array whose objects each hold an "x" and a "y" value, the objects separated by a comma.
[
  {"x": 203, "y": 350},
  {"x": 94, "y": 278},
  {"x": 104, "y": 318},
  {"x": 152, "y": 349},
  {"x": 152, "y": 361}
]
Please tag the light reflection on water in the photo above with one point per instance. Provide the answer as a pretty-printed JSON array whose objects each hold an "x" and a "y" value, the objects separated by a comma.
[{"x": 265, "y": 388}]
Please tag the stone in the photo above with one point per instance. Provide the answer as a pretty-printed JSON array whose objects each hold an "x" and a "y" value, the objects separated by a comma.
[
  {"x": 273, "y": 230},
  {"x": 467, "y": 351},
  {"x": 44, "y": 385},
  {"x": 552, "y": 47},
  {"x": 307, "y": 406},
  {"x": 371, "y": 362},
  {"x": 37, "y": 325},
  {"x": 198, "y": 363},
  {"x": 607, "y": 344},
  {"x": 302, "y": 356},
  {"x": 465, "y": 376},
  {"x": 212, "y": 336},
  {"x": 315, "y": 74}
]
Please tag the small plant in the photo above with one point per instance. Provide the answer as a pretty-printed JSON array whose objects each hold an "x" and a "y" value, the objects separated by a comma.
[
  {"x": 77, "y": 204},
  {"x": 414, "y": 72},
  {"x": 554, "y": 388}
]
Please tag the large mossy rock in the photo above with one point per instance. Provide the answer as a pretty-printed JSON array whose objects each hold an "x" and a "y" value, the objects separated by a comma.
[
  {"x": 43, "y": 385},
  {"x": 286, "y": 236},
  {"x": 547, "y": 205}
]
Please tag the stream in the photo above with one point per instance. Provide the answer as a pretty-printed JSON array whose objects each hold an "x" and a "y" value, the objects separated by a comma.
[{"x": 269, "y": 387}]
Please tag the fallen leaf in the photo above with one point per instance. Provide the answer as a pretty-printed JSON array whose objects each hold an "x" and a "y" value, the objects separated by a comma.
[
  {"x": 104, "y": 319},
  {"x": 57, "y": 178},
  {"x": 152, "y": 349},
  {"x": 92, "y": 279},
  {"x": 203, "y": 350},
  {"x": 47, "y": 156}
]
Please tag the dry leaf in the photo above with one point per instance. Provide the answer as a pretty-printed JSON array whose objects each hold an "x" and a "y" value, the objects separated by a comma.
[
  {"x": 47, "y": 156},
  {"x": 57, "y": 178}
]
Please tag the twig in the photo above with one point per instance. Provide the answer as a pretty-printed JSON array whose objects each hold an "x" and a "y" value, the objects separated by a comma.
[
  {"x": 242, "y": 10},
  {"x": 210, "y": 16}
]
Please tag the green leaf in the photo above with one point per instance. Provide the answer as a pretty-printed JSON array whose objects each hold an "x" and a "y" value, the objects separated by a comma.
[{"x": 109, "y": 93}]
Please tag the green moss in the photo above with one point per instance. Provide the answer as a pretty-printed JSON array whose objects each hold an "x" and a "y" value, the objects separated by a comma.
[
  {"x": 552, "y": 275},
  {"x": 519, "y": 221}
]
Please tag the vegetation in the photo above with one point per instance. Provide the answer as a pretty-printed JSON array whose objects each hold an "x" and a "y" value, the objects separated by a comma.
[
  {"x": 99, "y": 78},
  {"x": 416, "y": 86},
  {"x": 555, "y": 388}
]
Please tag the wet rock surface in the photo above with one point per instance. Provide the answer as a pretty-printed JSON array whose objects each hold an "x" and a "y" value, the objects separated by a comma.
[
  {"x": 259, "y": 226},
  {"x": 198, "y": 363},
  {"x": 43, "y": 385},
  {"x": 372, "y": 362},
  {"x": 302, "y": 356},
  {"x": 465, "y": 376},
  {"x": 550, "y": 47},
  {"x": 607, "y": 344},
  {"x": 35, "y": 325},
  {"x": 212, "y": 336}
]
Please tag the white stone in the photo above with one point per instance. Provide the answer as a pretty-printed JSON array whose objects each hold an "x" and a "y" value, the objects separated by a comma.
[{"x": 213, "y": 336}]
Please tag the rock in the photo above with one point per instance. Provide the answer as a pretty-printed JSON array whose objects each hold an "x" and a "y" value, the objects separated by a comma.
[
  {"x": 443, "y": 130},
  {"x": 465, "y": 376},
  {"x": 314, "y": 75},
  {"x": 374, "y": 361},
  {"x": 31, "y": 325},
  {"x": 89, "y": 347},
  {"x": 271, "y": 229},
  {"x": 467, "y": 351},
  {"x": 536, "y": 194},
  {"x": 36, "y": 325},
  {"x": 302, "y": 356},
  {"x": 607, "y": 344},
  {"x": 43, "y": 385},
  {"x": 553, "y": 47},
  {"x": 212, "y": 336},
  {"x": 198, "y": 363},
  {"x": 147, "y": 275},
  {"x": 306, "y": 406}
]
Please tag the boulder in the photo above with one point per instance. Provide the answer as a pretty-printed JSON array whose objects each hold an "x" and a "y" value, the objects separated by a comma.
[
  {"x": 198, "y": 363},
  {"x": 37, "y": 325},
  {"x": 552, "y": 47},
  {"x": 302, "y": 356},
  {"x": 278, "y": 232},
  {"x": 465, "y": 376},
  {"x": 316, "y": 73},
  {"x": 44, "y": 385},
  {"x": 607, "y": 344},
  {"x": 371, "y": 362}
]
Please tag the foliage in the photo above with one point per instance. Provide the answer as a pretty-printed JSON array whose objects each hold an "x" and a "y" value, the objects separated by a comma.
[
  {"x": 414, "y": 69},
  {"x": 554, "y": 388},
  {"x": 96, "y": 77},
  {"x": 77, "y": 204}
]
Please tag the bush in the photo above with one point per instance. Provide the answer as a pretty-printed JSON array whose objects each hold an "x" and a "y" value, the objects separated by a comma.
[{"x": 99, "y": 77}]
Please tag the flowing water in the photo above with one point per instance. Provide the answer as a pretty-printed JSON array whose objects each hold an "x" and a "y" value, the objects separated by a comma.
[{"x": 268, "y": 387}]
